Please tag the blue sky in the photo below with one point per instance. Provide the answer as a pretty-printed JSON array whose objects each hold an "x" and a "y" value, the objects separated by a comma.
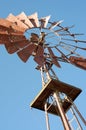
[{"x": 20, "y": 82}]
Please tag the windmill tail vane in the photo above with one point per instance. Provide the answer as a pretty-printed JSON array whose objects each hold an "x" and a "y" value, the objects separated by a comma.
[{"x": 45, "y": 40}]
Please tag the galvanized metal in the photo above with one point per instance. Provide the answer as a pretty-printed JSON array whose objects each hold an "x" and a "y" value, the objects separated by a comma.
[{"x": 47, "y": 118}]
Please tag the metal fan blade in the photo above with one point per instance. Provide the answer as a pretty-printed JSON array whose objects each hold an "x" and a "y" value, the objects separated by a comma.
[
  {"x": 53, "y": 57},
  {"x": 14, "y": 19},
  {"x": 4, "y": 38},
  {"x": 44, "y": 21},
  {"x": 25, "y": 53},
  {"x": 39, "y": 57},
  {"x": 5, "y": 25},
  {"x": 23, "y": 18},
  {"x": 8, "y": 26},
  {"x": 78, "y": 61},
  {"x": 53, "y": 25},
  {"x": 34, "y": 19},
  {"x": 11, "y": 33},
  {"x": 13, "y": 47}
]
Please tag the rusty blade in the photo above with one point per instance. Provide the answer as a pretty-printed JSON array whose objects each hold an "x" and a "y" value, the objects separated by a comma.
[
  {"x": 4, "y": 38},
  {"x": 8, "y": 26},
  {"x": 4, "y": 35},
  {"x": 53, "y": 57},
  {"x": 34, "y": 19},
  {"x": 13, "y": 47},
  {"x": 17, "y": 22},
  {"x": 23, "y": 18},
  {"x": 6, "y": 32},
  {"x": 34, "y": 38},
  {"x": 44, "y": 21},
  {"x": 78, "y": 61},
  {"x": 25, "y": 53},
  {"x": 54, "y": 24},
  {"x": 39, "y": 57},
  {"x": 11, "y": 33}
]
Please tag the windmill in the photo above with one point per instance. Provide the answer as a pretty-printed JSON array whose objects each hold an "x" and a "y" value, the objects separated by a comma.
[{"x": 49, "y": 43}]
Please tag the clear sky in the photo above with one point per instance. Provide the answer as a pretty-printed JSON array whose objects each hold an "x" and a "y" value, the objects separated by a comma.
[{"x": 20, "y": 82}]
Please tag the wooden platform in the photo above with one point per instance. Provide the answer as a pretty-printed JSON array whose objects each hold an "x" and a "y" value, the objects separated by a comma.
[{"x": 53, "y": 86}]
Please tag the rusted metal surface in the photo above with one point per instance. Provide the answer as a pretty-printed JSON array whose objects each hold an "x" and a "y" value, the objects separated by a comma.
[
  {"x": 39, "y": 57},
  {"x": 16, "y": 21},
  {"x": 34, "y": 19},
  {"x": 44, "y": 21},
  {"x": 53, "y": 58},
  {"x": 23, "y": 18},
  {"x": 25, "y": 53},
  {"x": 8, "y": 26},
  {"x": 78, "y": 61},
  {"x": 44, "y": 37},
  {"x": 13, "y": 47},
  {"x": 14, "y": 31},
  {"x": 4, "y": 38}
]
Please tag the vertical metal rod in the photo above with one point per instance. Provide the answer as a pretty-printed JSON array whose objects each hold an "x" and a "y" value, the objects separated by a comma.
[
  {"x": 76, "y": 109},
  {"x": 42, "y": 77},
  {"x": 47, "y": 72},
  {"x": 61, "y": 111},
  {"x": 54, "y": 74},
  {"x": 83, "y": 120},
  {"x": 70, "y": 123},
  {"x": 76, "y": 118},
  {"x": 46, "y": 115}
]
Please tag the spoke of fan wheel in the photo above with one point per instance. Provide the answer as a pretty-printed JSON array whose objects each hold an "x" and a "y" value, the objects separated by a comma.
[
  {"x": 73, "y": 46},
  {"x": 68, "y": 46},
  {"x": 71, "y": 52},
  {"x": 75, "y": 40},
  {"x": 63, "y": 55},
  {"x": 72, "y": 34},
  {"x": 63, "y": 29},
  {"x": 66, "y": 30}
]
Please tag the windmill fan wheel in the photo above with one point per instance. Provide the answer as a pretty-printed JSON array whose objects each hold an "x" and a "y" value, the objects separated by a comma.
[{"x": 48, "y": 42}]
